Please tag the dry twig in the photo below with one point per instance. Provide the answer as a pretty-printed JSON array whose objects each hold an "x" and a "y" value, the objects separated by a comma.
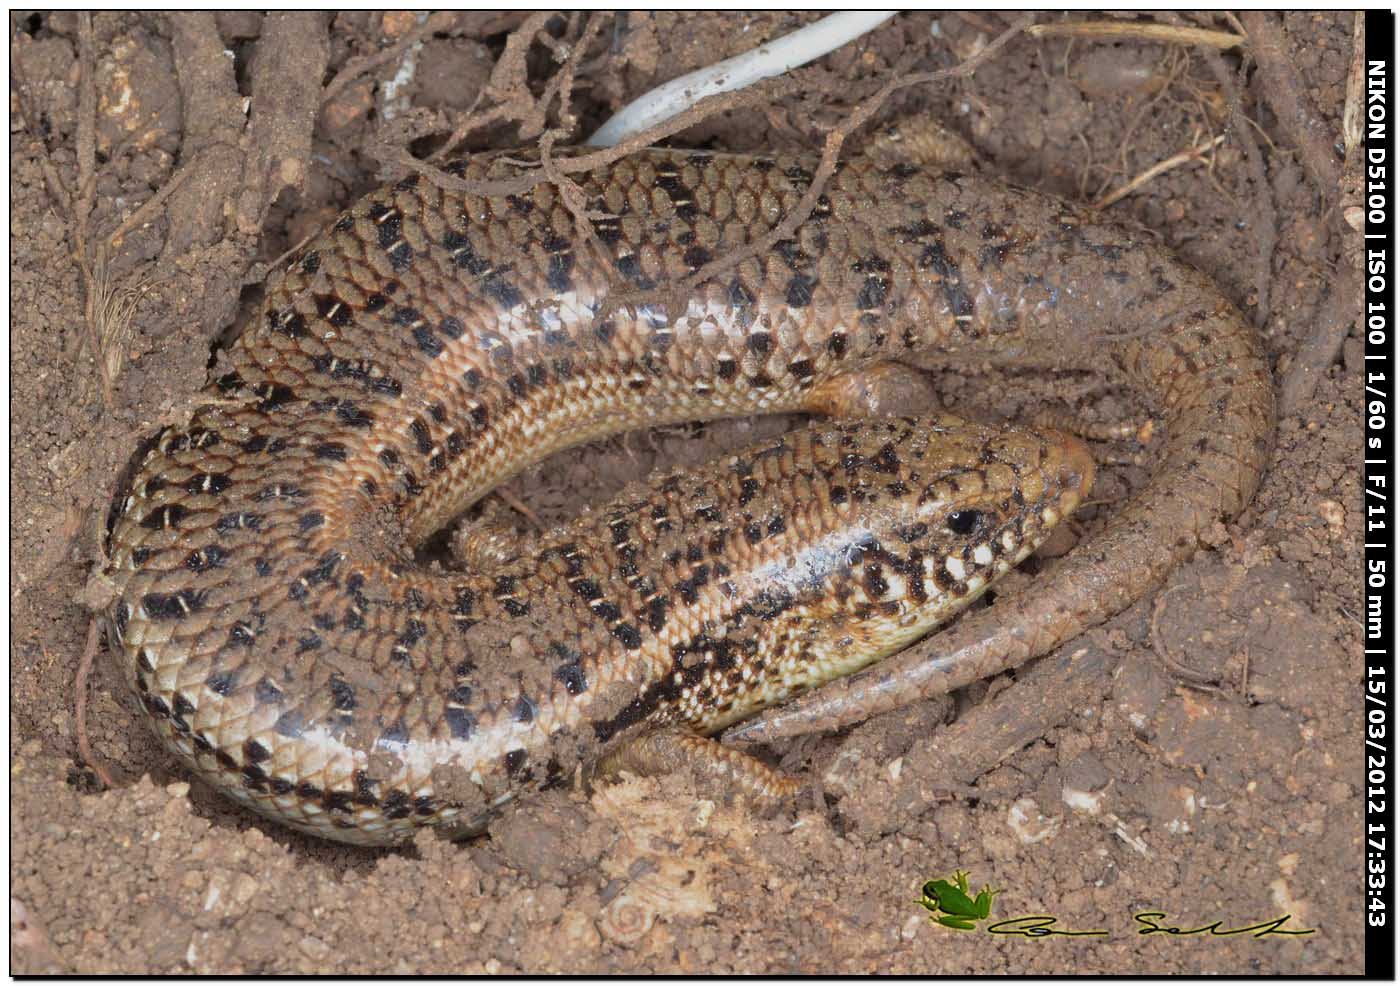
[
  {"x": 1356, "y": 85},
  {"x": 1320, "y": 349},
  {"x": 1343, "y": 305},
  {"x": 1266, "y": 219},
  {"x": 1285, "y": 93},
  {"x": 1177, "y": 34}
]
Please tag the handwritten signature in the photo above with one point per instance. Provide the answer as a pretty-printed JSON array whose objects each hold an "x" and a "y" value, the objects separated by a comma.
[
  {"x": 1149, "y": 919},
  {"x": 1044, "y": 926}
]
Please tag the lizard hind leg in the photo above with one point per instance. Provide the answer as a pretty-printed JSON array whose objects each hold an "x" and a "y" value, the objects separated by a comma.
[
  {"x": 492, "y": 539},
  {"x": 881, "y": 390},
  {"x": 924, "y": 142},
  {"x": 1138, "y": 432},
  {"x": 717, "y": 770}
]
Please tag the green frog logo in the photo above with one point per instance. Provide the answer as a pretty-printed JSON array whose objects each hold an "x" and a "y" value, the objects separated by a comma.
[{"x": 951, "y": 906}]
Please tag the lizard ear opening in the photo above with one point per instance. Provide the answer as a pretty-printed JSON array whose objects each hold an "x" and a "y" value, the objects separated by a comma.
[{"x": 964, "y": 521}]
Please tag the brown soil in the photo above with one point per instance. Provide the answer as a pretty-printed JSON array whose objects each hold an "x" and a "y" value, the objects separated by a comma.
[{"x": 1239, "y": 802}]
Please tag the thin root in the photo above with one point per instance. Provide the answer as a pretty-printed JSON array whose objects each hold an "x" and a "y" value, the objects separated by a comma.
[
  {"x": 80, "y": 711},
  {"x": 520, "y": 507},
  {"x": 1188, "y": 156},
  {"x": 1192, "y": 676}
]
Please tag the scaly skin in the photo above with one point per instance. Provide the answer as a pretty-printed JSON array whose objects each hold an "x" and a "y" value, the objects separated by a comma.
[{"x": 274, "y": 623}]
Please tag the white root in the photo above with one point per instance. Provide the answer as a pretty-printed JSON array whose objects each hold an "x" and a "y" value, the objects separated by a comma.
[{"x": 763, "y": 62}]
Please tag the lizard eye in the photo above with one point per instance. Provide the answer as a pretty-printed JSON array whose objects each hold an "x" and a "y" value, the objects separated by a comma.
[{"x": 964, "y": 521}]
